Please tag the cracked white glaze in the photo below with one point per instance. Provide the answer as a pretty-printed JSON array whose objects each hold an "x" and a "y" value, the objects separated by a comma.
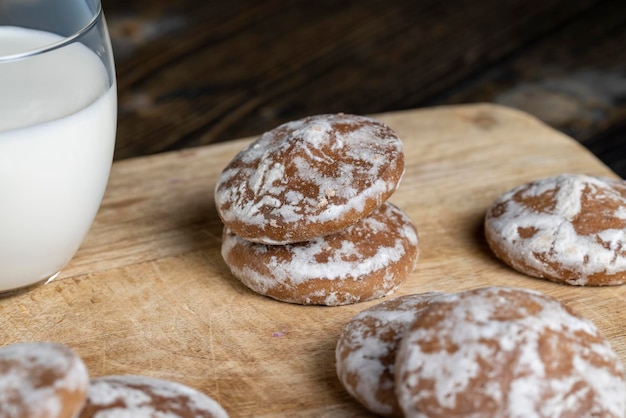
[
  {"x": 569, "y": 228},
  {"x": 366, "y": 349},
  {"x": 129, "y": 396},
  {"x": 38, "y": 379},
  {"x": 308, "y": 178},
  {"x": 508, "y": 353},
  {"x": 366, "y": 260}
]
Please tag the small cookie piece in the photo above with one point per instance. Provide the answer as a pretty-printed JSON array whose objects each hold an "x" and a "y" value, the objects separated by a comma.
[
  {"x": 41, "y": 379},
  {"x": 504, "y": 352},
  {"x": 569, "y": 229},
  {"x": 309, "y": 178},
  {"x": 366, "y": 351},
  {"x": 147, "y": 397},
  {"x": 367, "y": 260}
]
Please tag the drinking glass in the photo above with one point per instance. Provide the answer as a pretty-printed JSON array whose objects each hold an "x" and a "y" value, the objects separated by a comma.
[{"x": 58, "y": 116}]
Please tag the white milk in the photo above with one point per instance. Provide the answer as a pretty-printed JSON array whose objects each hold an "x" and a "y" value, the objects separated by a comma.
[{"x": 57, "y": 134}]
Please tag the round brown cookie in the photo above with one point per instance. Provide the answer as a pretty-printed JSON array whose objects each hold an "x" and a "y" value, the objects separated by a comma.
[
  {"x": 41, "y": 379},
  {"x": 569, "y": 229},
  {"x": 146, "y": 397},
  {"x": 366, "y": 351},
  {"x": 503, "y": 352},
  {"x": 365, "y": 261},
  {"x": 309, "y": 178}
]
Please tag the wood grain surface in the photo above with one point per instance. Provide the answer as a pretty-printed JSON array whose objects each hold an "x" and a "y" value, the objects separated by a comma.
[
  {"x": 148, "y": 293},
  {"x": 196, "y": 72}
]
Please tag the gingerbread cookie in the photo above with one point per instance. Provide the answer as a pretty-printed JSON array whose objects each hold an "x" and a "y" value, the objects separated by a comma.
[
  {"x": 503, "y": 352},
  {"x": 365, "y": 261},
  {"x": 309, "y": 178},
  {"x": 366, "y": 351},
  {"x": 569, "y": 229},
  {"x": 43, "y": 380},
  {"x": 147, "y": 397}
]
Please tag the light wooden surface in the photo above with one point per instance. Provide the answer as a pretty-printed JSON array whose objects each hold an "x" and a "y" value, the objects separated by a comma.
[{"x": 148, "y": 293}]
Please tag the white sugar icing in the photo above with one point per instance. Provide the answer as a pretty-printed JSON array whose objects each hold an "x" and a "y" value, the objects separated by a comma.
[
  {"x": 556, "y": 241},
  {"x": 25, "y": 369},
  {"x": 127, "y": 396},
  {"x": 309, "y": 172},
  {"x": 367, "y": 344},
  {"x": 487, "y": 332},
  {"x": 344, "y": 261}
]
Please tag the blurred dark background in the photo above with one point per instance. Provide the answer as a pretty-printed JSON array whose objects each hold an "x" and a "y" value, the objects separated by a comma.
[{"x": 194, "y": 72}]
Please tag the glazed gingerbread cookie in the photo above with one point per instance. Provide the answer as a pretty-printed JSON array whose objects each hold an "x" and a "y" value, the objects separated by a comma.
[
  {"x": 309, "y": 178},
  {"x": 41, "y": 379},
  {"x": 366, "y": 351},
  {"x": 503, "y": 352},
  {"x": 367, "y": 260},
  {"x": 569, "y": 229},
  {"x": 147, "y": 397}
]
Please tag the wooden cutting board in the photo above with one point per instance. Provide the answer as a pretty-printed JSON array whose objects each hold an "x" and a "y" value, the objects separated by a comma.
[{"x": 148, "y": 293}]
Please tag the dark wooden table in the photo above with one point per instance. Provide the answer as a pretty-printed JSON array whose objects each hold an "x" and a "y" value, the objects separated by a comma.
[{"x": 194, "y": 72}]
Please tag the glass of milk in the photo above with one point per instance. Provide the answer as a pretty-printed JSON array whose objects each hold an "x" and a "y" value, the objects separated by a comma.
[{"x": 58, "y": 115}]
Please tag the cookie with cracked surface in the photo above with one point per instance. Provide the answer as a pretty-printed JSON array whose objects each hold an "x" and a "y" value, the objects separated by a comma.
[
  {"x": 367, "y": 260},
  {"x": 147, "y": 397},
  {"x": 309, "y": 178},
  {"x": 505, "y": 352},
  {"x": 41, "y": 379},
  {"x": 366, "y": 351},
  {"x": 569, "y": 229}
]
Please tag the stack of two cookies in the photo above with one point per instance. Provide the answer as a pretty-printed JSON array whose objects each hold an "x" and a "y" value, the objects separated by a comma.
[{"x": 306, "y": 214}]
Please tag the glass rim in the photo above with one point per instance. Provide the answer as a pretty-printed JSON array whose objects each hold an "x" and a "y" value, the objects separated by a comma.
[{"x": 59, "y": 44}]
